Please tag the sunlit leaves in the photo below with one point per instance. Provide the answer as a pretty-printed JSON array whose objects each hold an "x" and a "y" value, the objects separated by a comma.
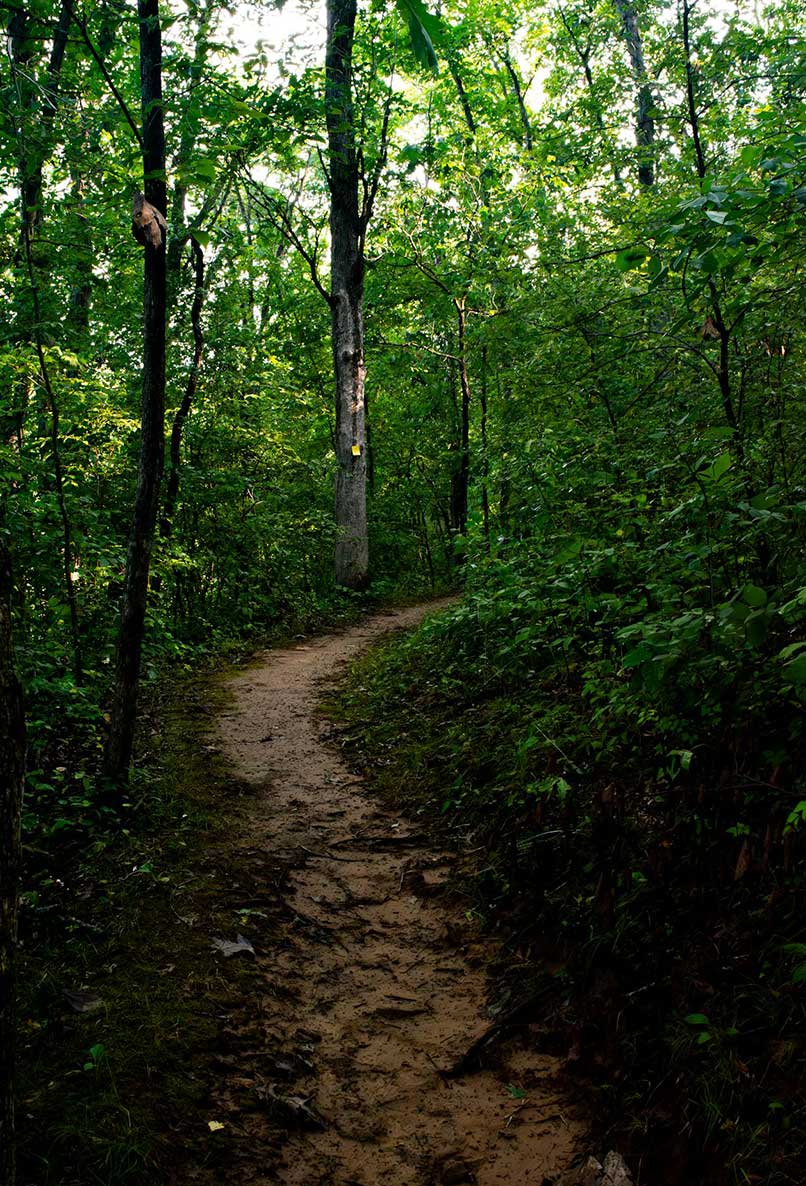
[{"x": 424, "y": 30}]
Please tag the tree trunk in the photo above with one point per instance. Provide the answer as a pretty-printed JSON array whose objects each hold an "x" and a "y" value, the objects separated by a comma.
[
  {"x": 644, "y": 122},
  {"x": 517, "y": 90},
  {"x": 346, "y": 300},
  {"x": 463, "y": 99},
  {"x": 485, "y": 454},
  {"x": 31, "y": 162},
  {"x": 78, "y": 311},
  {"x": 42, "y": 110},
  {"x": 463, "y": 473},
  {"x": 187, "y": 145},
  {"x": 183, "y": 411},
  {"x": 12, "y": 772},
  {"x": 723, "y": 371},
  {"x": 152, "y": 444}
]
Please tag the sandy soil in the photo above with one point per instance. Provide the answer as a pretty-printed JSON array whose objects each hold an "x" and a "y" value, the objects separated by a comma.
[{"x": 379, "y": 985}]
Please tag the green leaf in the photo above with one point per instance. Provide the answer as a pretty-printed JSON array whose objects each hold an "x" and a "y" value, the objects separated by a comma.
[
  {"x": 716, "y": 215},
  {"x": 424, "y": 29},
  {"x": 787, "y": 653},
  {"x": 719, "y": 467},
  {"x": 685, "y": 755},
  {"x": 637, "y": 656},
  {"x": 717, "y": 434},
  {"x": 632, "y": 257},
  {"x": 200, "y": 172},
  {"x": 696, "y": 1019},
  {"x": 756, "y": 628},
  {"x": 708, "y": 263},
  {"x": 796, "y": 817},
  {"x": 796, "y": 670},
  {"x": 754, "y": 596}
]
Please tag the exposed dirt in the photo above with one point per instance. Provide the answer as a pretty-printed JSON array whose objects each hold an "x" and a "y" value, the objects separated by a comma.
[{"x": 378, "y": 985}]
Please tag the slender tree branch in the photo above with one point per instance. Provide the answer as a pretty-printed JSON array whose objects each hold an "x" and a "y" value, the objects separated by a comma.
[
  {"x": 280, "y": 215},
  {"x": 81, "y": 22}
]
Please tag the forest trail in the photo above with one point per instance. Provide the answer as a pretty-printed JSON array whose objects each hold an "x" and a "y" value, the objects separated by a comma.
[{"x": 377, "y": 985}]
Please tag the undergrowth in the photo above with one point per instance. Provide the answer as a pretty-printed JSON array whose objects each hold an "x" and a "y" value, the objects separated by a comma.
[
  {"x": 121, "y": 996},
  {"x": 657, "y": 882},
  {"x": 122, "y": 1000}
]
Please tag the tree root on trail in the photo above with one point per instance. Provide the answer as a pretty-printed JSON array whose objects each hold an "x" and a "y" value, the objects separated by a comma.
[{"x": 519, "y": 1014}]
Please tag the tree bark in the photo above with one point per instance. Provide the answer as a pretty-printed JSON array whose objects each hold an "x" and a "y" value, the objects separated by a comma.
[
  {"x": 78, "y": 312},
  {"x": 485, "y": 453},
  {"x": 517, "y": 90},
  {"x": 644, "y": 122},
  {"x": 723, "y": 371},
  {"x": 12, "y": 772},
  {"x": 30, "y": 162},
  {"x": 463, "y": 99},
  {"x": 187, "y": 145},
  {"x": 691, "y": 101},
  {"x": 183, "y": 411},
  {"x": 347, "y": 228},
  {"x": 152, "y": 445},
  {"x": 35, "y": 155},
  {"x": 56, "y": 456},
  {"x": 462, "y": 482}
]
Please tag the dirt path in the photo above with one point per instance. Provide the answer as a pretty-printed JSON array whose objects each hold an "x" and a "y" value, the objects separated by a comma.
[{"x": 379, "y": 986}]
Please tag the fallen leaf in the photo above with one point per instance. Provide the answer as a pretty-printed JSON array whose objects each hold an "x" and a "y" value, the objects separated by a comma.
[
  {"x": 296, "y": 1109},
  {"x": 83, "y": 1002},
  {"x": 215, "y": 1125},
  {"x": 743, "y": 862},
  {"x": 615, "y": 1172},
  {"x": 241, "y": 946}
]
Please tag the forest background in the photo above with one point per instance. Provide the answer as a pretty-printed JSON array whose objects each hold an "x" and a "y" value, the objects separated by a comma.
[{"x": 570, "y": 239}]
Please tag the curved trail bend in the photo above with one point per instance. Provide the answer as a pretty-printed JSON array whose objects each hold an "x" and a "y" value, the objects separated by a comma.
[{"x": 382, "y": 986}]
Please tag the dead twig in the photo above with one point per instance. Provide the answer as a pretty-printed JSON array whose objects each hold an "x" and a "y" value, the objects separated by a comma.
[
  {"x": 444, "y": 1076},
  {"x": 327, "y": 856}
]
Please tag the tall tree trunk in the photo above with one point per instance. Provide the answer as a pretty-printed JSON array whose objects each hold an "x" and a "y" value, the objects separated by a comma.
[
  {"x": 644, "y": 122},
  {"x": 463, "y": 473},
  {"x": 183, "y": 411},
  {"x": 517, "y": 90},
  {"x": 12, "y": 771},
  {"x": 720, "y": 327},
  {"x": 31, "y": 161},
  {"x": 485, "y": 452},
  {"x": 346, "y": 300},
  {"x": 42, "y": 109},
  {"x": 78, "y": 312},
  {"x": 56, "y": 457},
  {"x": 463, "y": 99},
  {"x": 152, "y": 443},
  {"x": 187, "y": 146}
]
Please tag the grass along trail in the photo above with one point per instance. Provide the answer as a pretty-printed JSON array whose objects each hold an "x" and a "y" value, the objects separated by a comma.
[{"x": 377, "y": 985}]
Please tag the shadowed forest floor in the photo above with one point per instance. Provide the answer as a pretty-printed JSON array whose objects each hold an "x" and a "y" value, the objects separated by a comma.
[{"x": 375, "y": 986}]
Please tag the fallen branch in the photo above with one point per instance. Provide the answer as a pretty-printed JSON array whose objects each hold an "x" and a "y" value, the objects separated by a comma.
[
  {"x": 518, "y": 1014},
  {"x": 328, "y": 856}
]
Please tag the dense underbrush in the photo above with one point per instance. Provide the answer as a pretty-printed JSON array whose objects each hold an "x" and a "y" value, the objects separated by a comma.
[
  {"x": 124, "y": 1006},
  {"x": 626, "y": 755}
]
